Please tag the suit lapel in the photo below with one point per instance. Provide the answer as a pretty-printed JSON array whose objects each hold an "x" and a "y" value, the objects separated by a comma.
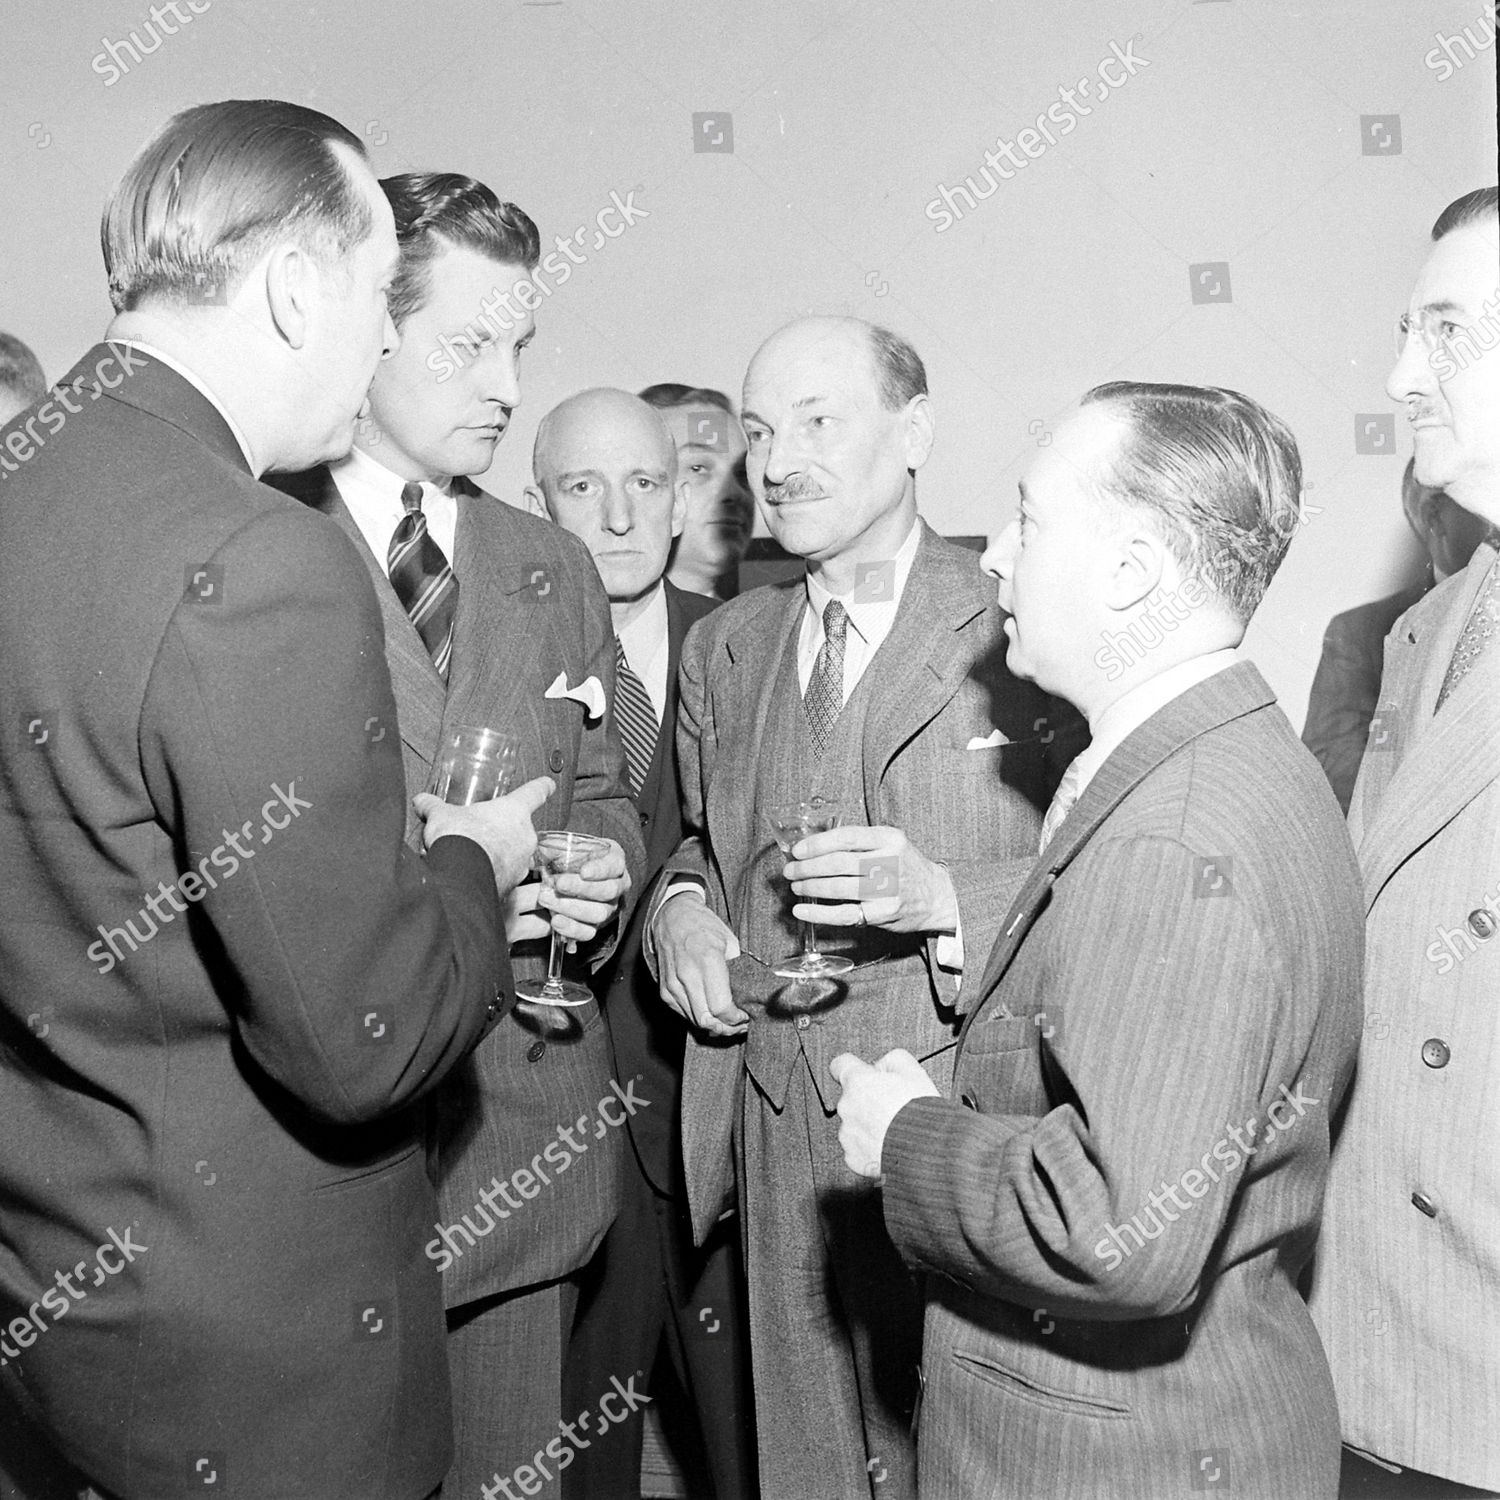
[
  {"x": 1227, "y": 695},
  {"x": 1441, "y": 763}
]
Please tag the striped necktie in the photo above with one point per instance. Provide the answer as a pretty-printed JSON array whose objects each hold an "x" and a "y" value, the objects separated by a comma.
[
  {"x": 823, "y": 701},
  {"x": 1479, "y": 632},
  {"x": 423, "y": 581},
  {"x": 635, "y": 714}
]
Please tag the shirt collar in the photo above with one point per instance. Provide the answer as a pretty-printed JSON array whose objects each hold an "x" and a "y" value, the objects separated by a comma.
[
  {"x": 370, "y": 472},
  {"x": 201, "y": 386},
  {"x": 645, "y": 635},
  {"x": 870, "y": 607},
  {"x": 1127, "y": 713}
]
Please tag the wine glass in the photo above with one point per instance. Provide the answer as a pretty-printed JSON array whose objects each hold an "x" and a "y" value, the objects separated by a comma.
[
  {"x": 473, "y": 764},
  {"x": 791, "y": 822},
  {"x": 559, "y": 852}
]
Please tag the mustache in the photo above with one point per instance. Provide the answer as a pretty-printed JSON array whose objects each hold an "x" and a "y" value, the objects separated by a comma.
[{"x": 798, "y": 487}]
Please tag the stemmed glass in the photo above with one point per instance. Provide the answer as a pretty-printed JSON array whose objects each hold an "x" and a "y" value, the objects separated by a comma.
[
  {"x": 791, "y": 822},
  {"x": 473, "y": 764},
  {"x": 560, "y": 851}
]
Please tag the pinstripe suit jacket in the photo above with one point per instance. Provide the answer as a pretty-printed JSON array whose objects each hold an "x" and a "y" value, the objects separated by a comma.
[
  {"x": 1112, "y": 1299},
  {"x": 973, "y": 809},
  {"x": 530, "y": 606},
  {"x": 1407, "y": 1300}
]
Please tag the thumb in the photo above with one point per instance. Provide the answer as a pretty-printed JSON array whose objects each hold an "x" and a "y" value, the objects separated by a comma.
[
  {"x": 426, "y": 804},
  {"x": 898, "y": 1060},
  {"x": 845, "y": 1068},
  {"x": 531, "y": 796}
]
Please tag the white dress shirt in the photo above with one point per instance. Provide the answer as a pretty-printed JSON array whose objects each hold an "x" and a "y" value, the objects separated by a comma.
[
  {"x": 198, "y": 384},
  {"x": 644, "y": 642},
  {"x": 373, "y": 494}
]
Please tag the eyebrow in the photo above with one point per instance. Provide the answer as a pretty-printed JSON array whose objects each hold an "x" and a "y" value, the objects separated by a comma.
[{"x": 1445, "y": 306}]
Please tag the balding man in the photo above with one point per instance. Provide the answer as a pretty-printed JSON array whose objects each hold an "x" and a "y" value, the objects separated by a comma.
[
  {"x": 21, "y": 380},
  {"x": 606, "y": 469},
  {"x": 877, "y": 680}
]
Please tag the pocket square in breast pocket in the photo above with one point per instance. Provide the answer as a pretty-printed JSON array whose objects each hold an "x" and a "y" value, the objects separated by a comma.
[{"x": 991, "y": 741}]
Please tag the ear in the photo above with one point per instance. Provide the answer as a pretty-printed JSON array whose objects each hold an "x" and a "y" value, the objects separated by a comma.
[
  {"x": 536, "y": 502},
  {"x": 679, "y": 507},
  {"x": 919, "y": 431},
  {"x": 1139, "y": 567},
  {"x": 291, "y": 284}
]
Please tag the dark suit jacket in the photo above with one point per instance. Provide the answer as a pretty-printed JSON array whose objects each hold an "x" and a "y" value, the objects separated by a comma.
[
  {"x": 1346, "y": 686},
  {"x": 648, "y": 1036},
  {"x": 228, "y": 1088},
  {"x": 1183, "y": 963},
  {"x": 972, "y": 808},
  {"x": 530, "y": 606}
]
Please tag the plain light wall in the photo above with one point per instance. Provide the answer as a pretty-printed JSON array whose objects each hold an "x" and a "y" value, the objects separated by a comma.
[{"x": 1238, "y": 140}]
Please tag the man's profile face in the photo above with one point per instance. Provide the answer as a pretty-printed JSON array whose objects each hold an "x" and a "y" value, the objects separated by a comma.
[
  {"x": 608, "y": 476},
  {"x": 1055, "y": 559},
  {"x": 827, "y": 461},
  {"x": 711, "y": 462},
  {"x": 434, "y": 423},
  {"x": 1453, "y": 399}
]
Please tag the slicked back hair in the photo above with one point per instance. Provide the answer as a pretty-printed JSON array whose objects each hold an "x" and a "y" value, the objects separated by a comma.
[
  {"x": 20, "y": 370},
  {"x": 667, "y": 397},
  {"x": 1470, "y": 209},
  {"x": 1219, "y": 474},
  {"x": 435, "y": 209},
  {"x": 216, "y": 187}
]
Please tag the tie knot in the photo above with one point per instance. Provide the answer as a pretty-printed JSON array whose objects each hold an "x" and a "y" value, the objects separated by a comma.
[
  {"x": 835, "y": 621},
  {"x": 411, "y": 496}
]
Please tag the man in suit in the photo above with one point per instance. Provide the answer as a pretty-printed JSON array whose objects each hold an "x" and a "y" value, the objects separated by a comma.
[
  {"x": 720, "y": 513},
  {"x": 876, "y": 680},
  {"x": 224, "y": 979},
  {"x": 21, "y": 381},
  {"x": 527, "y": 649},
  {"x": 607, "y": 469},
  {"x": 1346, "y": 686},
  {"x": 1171, "y": 1012},
  {"x": 1407, "y": 1282}
]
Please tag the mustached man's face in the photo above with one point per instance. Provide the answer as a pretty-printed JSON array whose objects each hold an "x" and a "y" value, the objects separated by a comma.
[{"x": 440, "y": 405}]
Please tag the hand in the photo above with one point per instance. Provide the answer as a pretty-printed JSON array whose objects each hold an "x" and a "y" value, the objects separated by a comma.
[
  {"x": 522, "y": 923},
  {"x": 881, "y": 878},
  {"x": 693, "y": 949},
  {"x": 589, "y": 899},
  {"x": 501, "y": 827},
  {"x": 871, "y": 1099}
]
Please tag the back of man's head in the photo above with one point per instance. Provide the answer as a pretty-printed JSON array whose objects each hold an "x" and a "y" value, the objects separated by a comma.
[
  {"x": 438, "y": 209},
  {"x": 21, "y": 378},
  {"x": 1219, "y": 474},
  {"x": 216, "y": 187},
  {"x": 1473, "y": 208}
]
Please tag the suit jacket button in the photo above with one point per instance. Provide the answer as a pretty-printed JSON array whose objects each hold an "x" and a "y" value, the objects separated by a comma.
[
  {"x": 645, "y": 818},
  {"x": 555, "y": 760},
  {"x": 535, "y": 1050},
  {"x": 1482, "y": 924},
  {"x": 1423, "y": 1202},
  {"x": 968, "y": 1100},
  {"x": 1435, "y": 1052},
  {"x": 803, "y": 1022}
]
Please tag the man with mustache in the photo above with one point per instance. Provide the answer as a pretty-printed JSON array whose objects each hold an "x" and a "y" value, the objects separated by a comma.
[
  {"x": 876, "y": 679},
  {"x": 513, "y": 645}
]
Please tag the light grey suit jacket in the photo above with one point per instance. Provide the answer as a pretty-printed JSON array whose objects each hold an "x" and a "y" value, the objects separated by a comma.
[
  {"x": 973, "y": 809},
  {"x": 530, "y": 606},
  {"x": 1112, "y": 1294},
  {"x": 1407, "y": 1292}
]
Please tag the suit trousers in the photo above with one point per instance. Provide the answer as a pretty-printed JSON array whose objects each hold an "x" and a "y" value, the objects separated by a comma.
[
  {"x": 505, "y": 1360},
  {"x": 835, "y": 1316},
  {"x": 648, "y": 1286}
]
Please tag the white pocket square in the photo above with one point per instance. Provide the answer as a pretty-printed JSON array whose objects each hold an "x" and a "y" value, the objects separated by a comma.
[
  {"x": 589, "y": 692},
  {"x": 989, "y": 741}
]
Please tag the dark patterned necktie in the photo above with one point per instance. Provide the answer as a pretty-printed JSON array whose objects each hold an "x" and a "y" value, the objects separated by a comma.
[
  {"x": 423, "y": 581},
  {"x": 824, "y": 699},
  {"x": 1479, "y": 632},
  {"x": 635, "y": 714}
]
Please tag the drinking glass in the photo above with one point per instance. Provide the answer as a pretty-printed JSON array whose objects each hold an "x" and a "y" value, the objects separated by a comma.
[
  {"x": 558, "y": 852},
  {"x": 474, "y": 765},
  {"x": 790, "y": 822}
]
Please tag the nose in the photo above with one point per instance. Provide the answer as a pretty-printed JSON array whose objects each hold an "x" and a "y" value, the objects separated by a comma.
[
  {"x": 619, "y": 512},
  {"x": 1412, "y": 375},
  {"x": 502, "y": 379},
  {"x": 999, "y": 557},
  {"x": 781, "y": 458}
]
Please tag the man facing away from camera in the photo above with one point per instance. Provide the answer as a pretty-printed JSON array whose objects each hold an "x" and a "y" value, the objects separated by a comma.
[{"x": 1113, "y": 1208}]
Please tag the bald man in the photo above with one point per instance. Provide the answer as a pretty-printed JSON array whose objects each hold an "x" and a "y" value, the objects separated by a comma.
[
  {"x": 877, "y": 680},
  {"x": 606, "y": 469}
]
